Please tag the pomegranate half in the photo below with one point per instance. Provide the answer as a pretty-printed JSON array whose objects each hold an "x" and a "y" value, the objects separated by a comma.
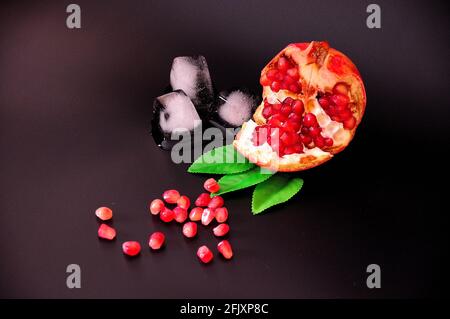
[{"x": 313, "y": 101}]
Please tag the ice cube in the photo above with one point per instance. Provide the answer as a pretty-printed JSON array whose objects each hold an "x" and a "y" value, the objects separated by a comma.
[
  {"x": 232, "y": 109},
  {"x": 191, "y": 74},
  {"x": 173, "y": 112}
]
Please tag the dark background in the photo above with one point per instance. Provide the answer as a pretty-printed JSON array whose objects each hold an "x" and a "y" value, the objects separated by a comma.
[{"x": 75, "y": 108}]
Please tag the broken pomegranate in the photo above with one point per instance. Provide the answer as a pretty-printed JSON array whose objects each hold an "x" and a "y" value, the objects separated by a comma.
[
  {"x": 131, "y": 248},
  {"x": 106, "y": 232},
  {"x": 224, "y": 248},
  {"x": 156, "y": 240},
  {"x": 313, "y": 101},
  {"x": 205, "y": 254},
  {"x": 104, "y": 213}
]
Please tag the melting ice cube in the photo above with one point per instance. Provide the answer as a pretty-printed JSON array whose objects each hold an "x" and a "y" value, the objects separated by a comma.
[
  {"x": 191, "y": 74},
  {"x": 173, "y": 112}
]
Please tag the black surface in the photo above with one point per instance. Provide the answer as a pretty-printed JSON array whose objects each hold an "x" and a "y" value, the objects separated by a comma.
[{"x": 75, "y": 111}]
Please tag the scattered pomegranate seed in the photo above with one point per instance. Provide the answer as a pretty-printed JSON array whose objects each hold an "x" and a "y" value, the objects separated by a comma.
[
  {"x": 190, "y": 229},
  {"x": 196, "y": 214},
  {"x": 184, "y": 202},
  {"x": 224, "y": 248},
  {"x": 167, "y": 215},
  {"x": 171, "y": 196},
  {"x": 216, "y": 201},
  {"x": 131, "y": 248},
  {"x": 106, "y": 232},
  {"x": 211, "y": 185},
  {"x": 208, "y": 215},
  {"x": 156, "y": 206},
  {"x": 221, "y": 214},
  {"x": 156, "y": 240},
  {"x": 203, "y": 200},
  {"x": 221, "y": 230},
  {"x": 104, "y": 213},
  {"x": 205, "y": 254},
  {"x": 180, "y": 214}
]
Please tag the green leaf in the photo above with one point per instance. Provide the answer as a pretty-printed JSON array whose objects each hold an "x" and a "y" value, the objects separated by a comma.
[
  {"x": 234, "y": 182},
  {"x": 276, "y": 190},
  {"x": 221, "y": 160}
]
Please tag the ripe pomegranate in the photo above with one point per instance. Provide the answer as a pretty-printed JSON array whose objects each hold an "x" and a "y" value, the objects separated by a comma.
[{"x": 313, "y": 101}]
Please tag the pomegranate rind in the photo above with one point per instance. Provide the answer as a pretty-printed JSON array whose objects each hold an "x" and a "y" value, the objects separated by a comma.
[{"x": 320, "y": 68}]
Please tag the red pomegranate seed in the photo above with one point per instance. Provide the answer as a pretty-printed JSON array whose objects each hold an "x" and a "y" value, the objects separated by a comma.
[
  {"x": 203, "y": 200},
  {"x": 288, "y": 80},
  {"x": 267, "y": 112},
  {"x": 286, "y": 110},
  {"x": 106, "y": 232},
  {"x": 171, "y": 196},
  {"x": 298, "y": 107},
  {"x": 283, "y": 64},
  {"x": 288, "y": 101},
  {"x": 340, "y": 99},
  {"x": 324, "y": 102},
  {"x": 298, "y": 148},
  {"x": 306, "y": 139},
  {"x": 276, "y": 107},
  {"x": 294, "y": 117},
  {"x": 216, "y": 201},
  {"x": 221, "y": 230},
  {"x": 350, "y": 123},
  {"x": 156, "y": 240},
  {"x": 272, "y": 74},
  {"x": 293, "y": 73},
  {"x": 104, "y": 213},
  {"x": 314, "y": 131},
  {"x": 184, "y": 202},
  {"x": 309, "y": 120},
  {"x": 166, "y": 215},
  {"x": 345, "y": 115},
  {"x": 208, "y": 215},
  {"x": 264, "y": 80},
  {"x": 211, "y": 185},
  {"x": 319, "y": 141},
  {"x": 180, "y": 214},
  {"x": 275, "y": 86},
  {"x": 190, "y": 229},
  {"x": 205, "y": 254},
  {"x": 328, "y": 141},
  {"x": 295, "y": 88},
  {"x": 224, "y": 248},
  {"x": 131, "y": 248},
  {"x": 340, "y": 88},
  {"x": 196, "y": 214},
  {"x": 156, "y": 206},
  {"x": 221, "y": 214}
]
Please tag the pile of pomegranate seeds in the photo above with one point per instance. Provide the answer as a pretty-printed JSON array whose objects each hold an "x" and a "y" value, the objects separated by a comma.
[
  {"x": 289, "y": 129},
  {"x": 283, "y": 76},
  {"x": 206, "y": 211},
  {"x": 336, "y": 105}
]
